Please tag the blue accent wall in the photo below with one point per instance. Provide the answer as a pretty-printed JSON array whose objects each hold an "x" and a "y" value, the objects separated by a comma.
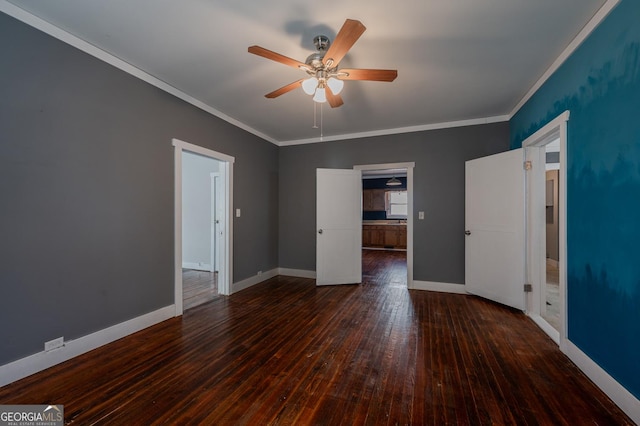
[{"x": 600, "y": 85}]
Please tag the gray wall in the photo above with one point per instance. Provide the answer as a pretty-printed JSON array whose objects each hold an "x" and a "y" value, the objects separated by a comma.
[
  {"x": 439, "y": 157},
  {"x": 86, "y": 183}
]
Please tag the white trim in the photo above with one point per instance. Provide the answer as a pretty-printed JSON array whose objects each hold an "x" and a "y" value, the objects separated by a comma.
[
  {"x": 546, "y": 327},
  {"x": 31, "y": 364},
  {"x": 384, "y": 166},
  {"x": 439, "y": 287},
  {"x": 298, "y": 273},
  {"x": 256, "y": 279},
  {"x": 410, "y": 225},
  {"x": 410, "y": 129},
  {"x": 536, "y": 263},
  {"x": 226, "y": 170},
  {"x": 60, "y": 34},
  {"x": 614, "y": 390},
  {"x": 600, "y": 15},
  {"x": 548, "y": 132},
  {"x": 186, "y": 146},
  {"x": 197, "y": 266},
  {"x": 382, "y": 248}
]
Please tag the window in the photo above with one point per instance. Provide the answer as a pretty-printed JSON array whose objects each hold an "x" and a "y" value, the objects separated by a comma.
[{"x": 396, "y": 204}]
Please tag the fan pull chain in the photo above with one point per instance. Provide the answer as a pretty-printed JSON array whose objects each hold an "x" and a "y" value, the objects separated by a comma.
[
  {"x": 321, "y": 123},
  {"x": 315, "y": 115}
]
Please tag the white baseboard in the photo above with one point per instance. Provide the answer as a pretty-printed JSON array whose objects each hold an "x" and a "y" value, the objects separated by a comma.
[
  {"x": 440, "y": 287},
  {"x": 614, "y": 390},
  {"x": 299, "y": 273},
  {"x": 241, "y": 285},
  {"x": 197, "y": 266},
  {"x": 31, "y": 364},
  {"x": 546, "y": 327}
]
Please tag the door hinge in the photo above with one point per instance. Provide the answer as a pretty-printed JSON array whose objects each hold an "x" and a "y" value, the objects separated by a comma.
[
  {"x": 527, "y": 165},
  {"x": 528, "y": 288}
]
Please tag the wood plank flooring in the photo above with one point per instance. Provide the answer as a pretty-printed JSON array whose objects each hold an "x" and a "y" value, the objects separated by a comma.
[
  {"x": 287, "y": 352},
  {"x": 198, "y": 287}
]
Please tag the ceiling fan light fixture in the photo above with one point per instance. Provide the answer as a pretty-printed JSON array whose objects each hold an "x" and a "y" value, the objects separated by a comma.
[
  {"x": 335, "y": 85},
  {"x": 309, "y": 85},
  {"x": 320, "y": 96}
]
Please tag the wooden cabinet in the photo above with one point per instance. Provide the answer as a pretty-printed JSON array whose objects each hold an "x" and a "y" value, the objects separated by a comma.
[
  {"x": 373, "y": 200},
  {"x": 384, "y": 236}
]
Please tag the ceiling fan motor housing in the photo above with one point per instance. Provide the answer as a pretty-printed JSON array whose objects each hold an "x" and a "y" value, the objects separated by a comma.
[{"x": 321, "y": 42}]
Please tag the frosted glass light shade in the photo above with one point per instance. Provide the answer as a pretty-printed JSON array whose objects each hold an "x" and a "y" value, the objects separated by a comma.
[
  {"x": 320, "y": 96},
  {"x": 335, "y": 85},
  {"x": 309, "y": 85}
]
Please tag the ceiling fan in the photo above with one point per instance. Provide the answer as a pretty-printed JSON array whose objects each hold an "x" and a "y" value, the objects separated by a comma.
[{"x": 325, "y": 80}]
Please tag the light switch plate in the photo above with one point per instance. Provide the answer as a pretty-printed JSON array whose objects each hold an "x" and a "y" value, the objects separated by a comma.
[
  {"x": 237, "y": 212},
  {"x": 421, "y": 215}
]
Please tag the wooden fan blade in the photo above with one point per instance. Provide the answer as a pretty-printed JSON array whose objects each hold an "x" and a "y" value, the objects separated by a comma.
[
  {"x": 334, "y": 100},
  {"x": 269, "y": 54},
  {"x": 284, "y": 89},
  {"x": 347, "y": 36},
  {"x": 371, "y": 75}
]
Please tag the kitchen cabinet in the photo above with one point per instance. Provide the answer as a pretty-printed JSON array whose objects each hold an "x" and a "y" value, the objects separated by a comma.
[
  {"x": 384, "y": 236},
  {"x": 373, "y": 200}
]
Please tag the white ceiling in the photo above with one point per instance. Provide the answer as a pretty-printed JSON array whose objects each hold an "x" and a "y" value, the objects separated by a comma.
[{"x": 457, "y": 60}]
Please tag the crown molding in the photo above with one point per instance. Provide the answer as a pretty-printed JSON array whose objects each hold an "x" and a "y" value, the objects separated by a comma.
[
  {"x": 600, "y": 15},
  {"x": 66, "y": 37},
  {"x": 410, "y": 129}
]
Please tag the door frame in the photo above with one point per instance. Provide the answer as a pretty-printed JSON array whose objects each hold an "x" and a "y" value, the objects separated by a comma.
[
  {"x": 409, "y": 166},
  {"x": 225, "y": 276},
  {"x": 536, "y": 245}
]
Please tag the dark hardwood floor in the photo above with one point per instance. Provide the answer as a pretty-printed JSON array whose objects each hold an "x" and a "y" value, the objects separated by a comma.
[
  {"x": 288, "y": 352},
  {"x": 198, "y": 287}
]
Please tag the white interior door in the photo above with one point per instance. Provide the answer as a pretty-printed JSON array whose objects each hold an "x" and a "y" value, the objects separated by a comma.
[
  {"x": 339, "y": 226},
  {"x": 217, "y": 218},
  {"x": 495, "y": 228}
]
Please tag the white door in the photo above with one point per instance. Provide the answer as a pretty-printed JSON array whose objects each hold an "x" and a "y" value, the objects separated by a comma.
[
  {"x": 217, "y": 218},
  {"x": 338, "y": 226},
  {"x": 495, "y": 228}
]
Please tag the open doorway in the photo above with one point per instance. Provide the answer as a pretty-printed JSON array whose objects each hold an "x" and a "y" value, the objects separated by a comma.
[
  {"x": 203, "y": 230},
  {"x": 387, "y": 223},
  {"x": 550, "y": 309},
  {"x": 546, "y": 227},
  {"x": 201, "y": 213}
]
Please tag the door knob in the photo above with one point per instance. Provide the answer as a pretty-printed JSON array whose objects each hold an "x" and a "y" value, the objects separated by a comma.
[
  {"x": 319, "y": 231},
  {"x": 467, "y": 232}
]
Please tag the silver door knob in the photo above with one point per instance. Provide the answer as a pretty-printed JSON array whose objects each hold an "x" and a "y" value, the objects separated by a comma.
[
  {"x": 467, "y": 232},
  {"x": 319, "y": 231}
]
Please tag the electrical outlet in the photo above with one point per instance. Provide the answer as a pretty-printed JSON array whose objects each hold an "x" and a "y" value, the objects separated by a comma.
[
  {"x": 54, "y": 344},
  {"x": 259, "y": 272}
]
